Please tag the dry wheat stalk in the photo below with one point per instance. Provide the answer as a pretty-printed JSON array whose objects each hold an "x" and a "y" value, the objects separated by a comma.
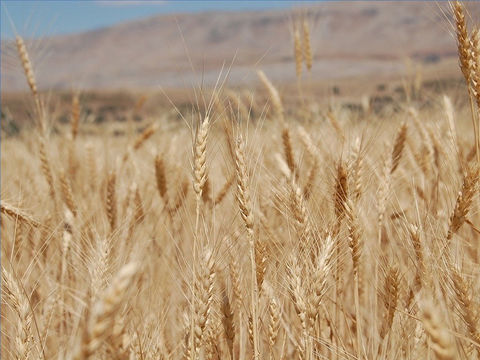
[
  {"x": 384, "y": 189},
  {"x": 228, "y": 323},
  {"x": 356, "y": 171},
  {"x": 307, "y": 48},
  {"x": 139, "y": 213},
  {"x": 16, "y": 298},
  {"x": 222, "y": 193},
  {"x": 246, "y": 211},
  {"x": 448, "y": 107},
  {"x": 140, "y": 140},
  {"x": 466, "y": 305},
  {"x": 463, "y": 42},
  {"x": 299, "y": 214},
  {"x": 200, "y": 163},
  {"x": 355, "y": 244},
  {"x": 441, "y": 341},
  {"x": 91, "y": 164},
  {"x": 27, "y": 65},
  {"x": 203, "y": 301},
  {"x": 102, "y": 318},
  {"x": 391, "y": 292},
  {"x": 75, "y": 118},
  {"x": 239, "y": 109},
  {"x": 111, "y": 200},
  {"x": 140, "y": 103},
  {"x": 288, "y": 150},
  {"x": 180, "y": 198},
  {"x": 273, "y": 325},
  {"x": 298, "y": 292},
  {"x": 336, "y": 125},
  {"x": 67, "y": 193},
  {"x": 464, "y": 201},
  {"x": 206, "y": 192},
  {"x": 320, "y": 272},
  {"x": 66, "y": 241},
  {"x": 45, "y": 165},
  {"x": 309, "y": 184},
  {"x": 466, "y": 59},
  {"x": 144, "y": 136},
  {"x": 307, "y": 141},
  {"x": 274, "y": 96},
  {"x": 297, "y": 50},
  {"x": 420, "y": 274},
  {"x": 16, "y": 213},
  {"x": 341, "y": 192},
  {"x": 260, "y": 261},
  {"x": 398, "y": 146},
  {"x": 354, "y": 235},
  {"x": 160, "y": 175}
]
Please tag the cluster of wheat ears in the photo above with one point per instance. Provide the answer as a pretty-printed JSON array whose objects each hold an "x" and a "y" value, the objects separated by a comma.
[{"x": 273, "y": 238}]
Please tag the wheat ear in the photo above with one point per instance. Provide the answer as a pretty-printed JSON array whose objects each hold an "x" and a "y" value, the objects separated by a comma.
[
  {"x": 297, "y": 50},
  {"x": 100, "y": 324},
  {"x": 355, "y": 245},
  {"x": 274, "y": 96},
  {"x": 465, "y": 56},
  {"x": 391, "y": 293},
  {"x": 200, "y": 164},
  {"x": 398, "y": 146},
  {"x": 27, "y": 65},
  {"x": 75, "y": 119},
  {"x": 244, "y": 202},
  {"x": 203, "y": 301},
  {"x": 228, "y": 322},
  {"x": 224, "y": 190},
  {"x": 160, "y": 175},
  {"x": 288, "y": 150},
  {"x": 307, "y": 48},
  {"x": 19, "y": 214},
  {"x": 67, "y": 193},
  {"x": 441, "y": 341},
  {"x": 464, "y": 201},
  {"x": 111, "y": 200},
  {"x": 20, "y": 304},
  {"x": 463, "y": 42},
  {"x": 45, "y": 165},
  {"x": 273, "y": 325},
  {"x": 466, "y": 305}
]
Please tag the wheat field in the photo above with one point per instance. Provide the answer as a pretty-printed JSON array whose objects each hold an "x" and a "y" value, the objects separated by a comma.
[{"x": 247, "y": 230}]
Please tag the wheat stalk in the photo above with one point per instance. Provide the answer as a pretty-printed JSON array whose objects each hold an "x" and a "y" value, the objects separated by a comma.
[
  {"x": 398, "y": 146},
  {"x": 111, "y": 200},
  {"x": 441, "y": 341},
  {"x": 244, "y": 202},
  {"x": 102, "y": 318},
  {"x": 274, "y": 96},
  {"x": 307, "y": 48},
  {"x": 464, "y": 201},
  {"x": 19, "y": 214},
  {"x": 297, "y": 50},
  {"x": 466, "y": 305},
  {"x": 75, "y": 117},
  {"x": 67, "y": 193},
  {"x": 27, "y": 66},
  {"x": 160, "y": 174},
  {"x": 21, "y": 306}
]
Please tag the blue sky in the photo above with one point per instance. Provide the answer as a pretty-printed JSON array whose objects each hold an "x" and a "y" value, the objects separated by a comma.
[{"x": 43, "y": 18}]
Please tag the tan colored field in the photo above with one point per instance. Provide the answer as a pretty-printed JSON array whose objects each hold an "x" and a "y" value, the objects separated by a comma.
[{"x": 246, "y": 227}]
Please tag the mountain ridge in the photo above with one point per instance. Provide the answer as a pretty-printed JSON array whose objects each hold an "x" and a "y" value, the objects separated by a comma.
[{"x": 348, "y": 39}]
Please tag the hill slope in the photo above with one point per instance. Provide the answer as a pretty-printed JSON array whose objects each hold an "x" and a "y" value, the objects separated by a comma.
[{"x": 349, "y": 39}]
